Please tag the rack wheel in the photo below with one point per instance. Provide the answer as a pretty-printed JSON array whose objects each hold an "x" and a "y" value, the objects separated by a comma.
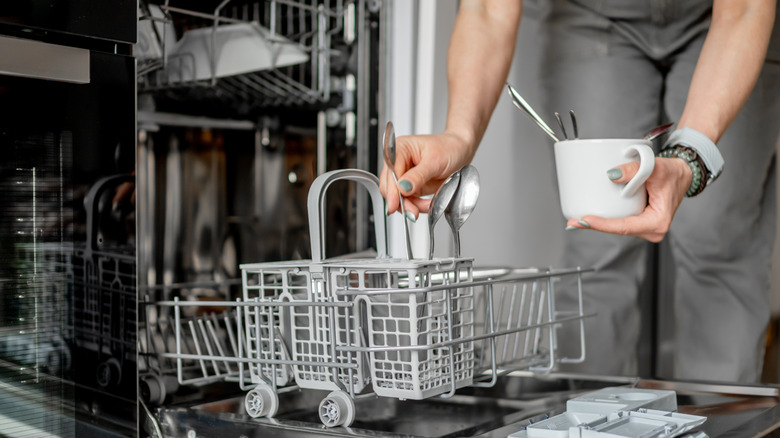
[
  {"x": 57, "y": 361},
  {"x": 337, "y": 409},
  {"x": 152, "y": 389},
  {"x": 262, "y": 401},
  {"x": 109, "y": 373}
]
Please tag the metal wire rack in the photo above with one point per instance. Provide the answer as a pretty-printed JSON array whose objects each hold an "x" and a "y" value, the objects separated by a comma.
[
  {"x": 408, "y": 329},
  {"x": 320, "y": 29}
]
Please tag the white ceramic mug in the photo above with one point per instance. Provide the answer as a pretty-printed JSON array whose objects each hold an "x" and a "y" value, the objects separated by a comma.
[{"x": 583, "y": 184}]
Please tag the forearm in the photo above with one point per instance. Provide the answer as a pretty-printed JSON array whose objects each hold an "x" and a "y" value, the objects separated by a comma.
[
  {"x": 729, "y": 64},
  {"x": 480, "y": 54}
]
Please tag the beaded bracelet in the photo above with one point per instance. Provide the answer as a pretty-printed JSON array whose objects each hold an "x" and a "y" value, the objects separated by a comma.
[
  {"x": 704, "y": 150},
  {"x": 694, "y": 163}
]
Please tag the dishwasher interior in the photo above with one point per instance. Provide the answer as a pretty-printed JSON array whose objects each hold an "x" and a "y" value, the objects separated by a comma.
[
  {"x": 225, "y": 157},
  {"x": 229, "y": 149},
  {"x": 241, "y": 104}
]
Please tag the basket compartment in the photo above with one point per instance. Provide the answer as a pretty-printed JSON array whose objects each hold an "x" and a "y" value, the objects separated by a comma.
[
  {"x": 307, "y": 329},
  {"x": 406, "y": 306},
  {"x": 267, "y": 329}
]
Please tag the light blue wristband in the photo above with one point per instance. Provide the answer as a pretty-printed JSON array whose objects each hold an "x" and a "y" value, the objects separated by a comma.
[{"x": 704, "y": 148}]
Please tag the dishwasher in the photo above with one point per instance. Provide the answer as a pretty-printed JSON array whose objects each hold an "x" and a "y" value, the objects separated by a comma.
[
  {"x": 239, "y": 308},
  {"x": 205, "y": 253}
]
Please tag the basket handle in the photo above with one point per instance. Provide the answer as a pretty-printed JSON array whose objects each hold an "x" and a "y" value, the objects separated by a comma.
[
  {"x": 92, "y": 204},
  {"x": 316, "y": 205}
]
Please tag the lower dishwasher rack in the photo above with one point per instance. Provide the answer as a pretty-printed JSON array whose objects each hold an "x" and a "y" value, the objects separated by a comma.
[{"x": 378, "y": 332}]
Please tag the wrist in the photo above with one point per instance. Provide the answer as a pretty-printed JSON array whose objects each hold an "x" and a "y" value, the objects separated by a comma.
[
  {"x": 465, "y": 140},
  {"x": 701, "y": 149}
]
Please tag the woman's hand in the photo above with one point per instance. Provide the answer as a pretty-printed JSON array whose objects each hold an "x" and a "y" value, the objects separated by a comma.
[
  {"x": 422, "y": 164},
  {"x": 666, "y": 189}
]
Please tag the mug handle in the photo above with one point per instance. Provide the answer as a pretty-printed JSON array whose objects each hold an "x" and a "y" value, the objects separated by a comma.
[{"x": 646, "y": 166}]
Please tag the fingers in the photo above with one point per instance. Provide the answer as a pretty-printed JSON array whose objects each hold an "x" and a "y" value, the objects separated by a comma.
[
  {"x": 641, "y": 226},
  {"x": 623, "y": 173},
  {"x": 422, "y": 205},
  {"x": 666, "y": 189},
  {"x": 413, "y": 205},
  {"x": 414, "y": 180},
  {"x": 422, "y": 163}
]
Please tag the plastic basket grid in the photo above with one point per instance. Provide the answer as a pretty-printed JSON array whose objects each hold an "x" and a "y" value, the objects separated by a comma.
[
  {"x": 309, "y": 329},
  {"x": 265, "y": 325},
  {"x": 412, "y": 319},
  {"x": 315, "y": 329}
]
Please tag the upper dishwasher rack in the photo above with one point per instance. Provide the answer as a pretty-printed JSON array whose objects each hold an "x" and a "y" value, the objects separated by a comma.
[{"x": 321, "y": 31}]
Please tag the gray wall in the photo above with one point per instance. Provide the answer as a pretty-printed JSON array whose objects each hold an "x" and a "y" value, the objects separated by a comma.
[{"x": 517, "y": 221}]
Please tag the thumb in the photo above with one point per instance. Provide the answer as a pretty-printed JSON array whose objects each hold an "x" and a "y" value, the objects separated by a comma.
[{"x": 623, "y": 173}]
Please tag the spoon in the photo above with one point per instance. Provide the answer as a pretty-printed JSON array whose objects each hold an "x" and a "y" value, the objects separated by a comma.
[
  {"x": 560, "y": 123},
  {"x": 658, "y": 130},
  {"x": 519, "y": 102},
  {"x": 441, "y": 200},
  {"x": 574, "y": 124},
  {"x": 439, "y": 203},
  {"x": 389, "y": 154},
  {"x": 463, "y": 202}
]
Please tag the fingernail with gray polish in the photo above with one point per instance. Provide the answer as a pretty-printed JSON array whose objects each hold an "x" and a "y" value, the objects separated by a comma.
[
  {"x": 405, "y": 185},
  {"x": 571, "y": 227},
  {"x": 411, "y": 217},
  {"x": 614, "y": 174},
  {"x": 583, "y": 223}
]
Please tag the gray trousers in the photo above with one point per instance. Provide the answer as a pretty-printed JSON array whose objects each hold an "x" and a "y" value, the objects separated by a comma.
[{"x": 625, "y": 67}]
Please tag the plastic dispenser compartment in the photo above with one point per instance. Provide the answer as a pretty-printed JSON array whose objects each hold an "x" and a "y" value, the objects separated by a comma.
[
  {"x": 559, "y": 425},
  {"x": 613, "y": 399},
  {"x": 644, "y": 423},
  {"x": 616, "y": 412}
]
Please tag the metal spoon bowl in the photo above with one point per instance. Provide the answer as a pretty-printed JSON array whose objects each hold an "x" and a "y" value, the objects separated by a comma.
[
  {"x": 657, "y": 131},
  {"x": 389, "y": 155},
  {"x": 439, "y": 203},
  {"x": 463, "y": 202}
]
